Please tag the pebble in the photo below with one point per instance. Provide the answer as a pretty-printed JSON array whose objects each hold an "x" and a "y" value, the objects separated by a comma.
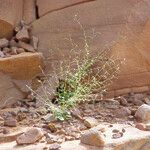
[{"x": 90, "y": 122}]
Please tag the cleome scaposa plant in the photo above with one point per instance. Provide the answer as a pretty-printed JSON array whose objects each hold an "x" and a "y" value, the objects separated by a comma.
[{"x": 79, "y": 77}]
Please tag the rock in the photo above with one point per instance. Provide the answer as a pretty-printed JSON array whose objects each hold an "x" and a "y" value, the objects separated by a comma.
[
  {"x": 23, "y": 35},
  {"x": 2, "y": 54},
  {"x": 26, "y": 46},
  {"x": 13, "y": 43},
  {"x": 137, "y": 102},
  {"x": 51, "y": 138},
  {"x": 13, "y": 51},
  {"x": 54, "y": 146},
  {"x": 76, "y": 113},
  {"x": 49, "y": 118},
  {"x": 41, "y": 110},
  {"x": 115, "y": 131},
  {"x": 140, "y": 126},
  {"x": 52, "y": 127},
  {"x": 1, "y": 121},
  {"x": 90, "y": 122},
  {"x": 117, "y": 135},
  {"x": 110, "y": 103},
  {"x": 6, "y": 50},
  {"x": 34, "y": 42},
  {"x": 123, "y": 101},
  {"x": 10, "y": 122},
  {"x": 10, "y": 15},
  {"x": 21, "y": 62},
  {"x": 3, "y": 43},
  {"x": 30, "y": 137},
  {"x": 147, "y": 127},
  {"x": 143, "y": 113},
  {"x": 147, "y": 101},
  {"x": 122, "y": 112},
  {"x": 92, "y": 137},
  {"x": 20, "y": 50}
]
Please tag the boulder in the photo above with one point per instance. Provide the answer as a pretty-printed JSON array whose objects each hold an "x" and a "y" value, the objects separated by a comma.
[
  {"x": 10, "y": 16},
  {"x": 143, "y": 113},
  {"x": 93, "y": 137},
  {"x": 30, "y": 136},
  {"x": 27, "y": 64}
]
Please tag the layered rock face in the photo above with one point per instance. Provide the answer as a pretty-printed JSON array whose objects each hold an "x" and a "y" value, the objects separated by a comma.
[{"x": 121, "y": 25}]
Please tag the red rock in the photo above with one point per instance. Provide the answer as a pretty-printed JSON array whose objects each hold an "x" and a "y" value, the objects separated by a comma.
[
  {"x": 90, "y": 122},
  {"x": 26, "y": 46},
  {"x": 143, "y": 113},
  {"x": 54, "y": 146},
  {"x": 13, "y": 43},
  {"x": 30, "y": 136},
  {"x": 3, "y": 43},
  {"x": 10, "y": 122},
  {"x": 20, "y": 50},
  {"x": 140, "y": 126},
  {"x": 23, "y": 35},
  {"x": 92, "y": 137}
]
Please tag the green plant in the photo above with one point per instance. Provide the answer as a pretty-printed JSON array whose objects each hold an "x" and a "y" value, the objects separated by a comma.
[{"x": 89, "y": 74}]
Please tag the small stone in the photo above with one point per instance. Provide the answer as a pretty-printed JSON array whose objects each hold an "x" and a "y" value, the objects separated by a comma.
[
  {"x": 10, "y": 122},
  {"x": 148, "y": 127},
  {"x": 2, "y": 55},
  {"x": 111, "y": 104},
  {"x": 54, "y": 146},
  {"x": 23, "y": 35},
  {"x": 6, "y": 50},
  {"x": 123, "y": 101},
  {"x": 140, "y": 126},
  {"x": 122, "y": 112},
  {"x": 48, "y": 118},
  {"x": 45, "y": 148},
  {"x": 6, "y": 131},
  {"x": 123, "y": 130},
  {"x": 76, "y": 113},
  {"x": 26, "y": 46},
  {"x": 17, "y": 29},
  {"x": 13, "y": 51},
  {"x": 137, "y": 102},
  {"x": 30, "y": 136},
  {"x": 3, "y": 43},
  {"x": 21, "y": 116},
  {"x": 117, "y": 135},
  {"x": 90, "y": 122},
  {"x": 34, "y": 42},
  {"x": 1, "y": 121},
  {"x": 143, "y": 113},
  {"x": 69, "y": 138},
  {"x": 41, "y": 110},
  {"x": 93, "y": 137},
  {"x": 147, "y": 101},
  {"x": 52, "y": 127},
  {"x": 115, "y": 131},
  {"x": 13, "y": 43},
  {"x": 20, "y": 50}
]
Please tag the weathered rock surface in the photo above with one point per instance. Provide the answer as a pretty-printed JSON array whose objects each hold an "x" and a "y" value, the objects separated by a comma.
[
  {"x": 93, "y": 137},
  {"x": 128, "y": 20},
  {"x": 27, "y": 64},
  {"x": 90, "y": 122},
  {"x": 143, "y": 113},
  {"x": 30, "y": 136},
  {"x": 23, "y": 35},
  {"x": 10, "y": 16}
]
